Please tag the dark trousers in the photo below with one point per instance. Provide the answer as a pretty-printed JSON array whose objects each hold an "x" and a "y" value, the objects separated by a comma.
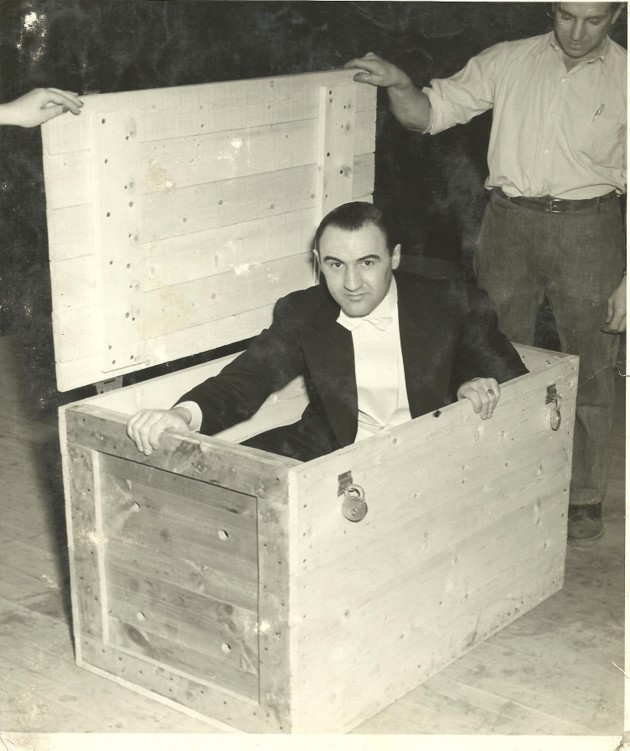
[{"x": 576, "y": 259}]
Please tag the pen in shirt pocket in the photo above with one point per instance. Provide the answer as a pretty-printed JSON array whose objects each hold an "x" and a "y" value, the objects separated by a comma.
[{"x": 598, "y": 111}]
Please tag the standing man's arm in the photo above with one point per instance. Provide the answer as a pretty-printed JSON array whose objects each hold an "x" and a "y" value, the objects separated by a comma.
[{"x": 410, "y": 106}]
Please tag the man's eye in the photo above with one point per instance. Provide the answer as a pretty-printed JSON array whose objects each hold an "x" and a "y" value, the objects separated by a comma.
[{"x": 368, "y": 263}]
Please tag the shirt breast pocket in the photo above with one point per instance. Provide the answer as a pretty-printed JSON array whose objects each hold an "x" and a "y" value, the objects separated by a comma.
[{"x": 601, "y": 139}]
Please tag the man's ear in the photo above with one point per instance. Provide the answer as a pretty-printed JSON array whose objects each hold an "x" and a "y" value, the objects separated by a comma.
[{"x": 396, "y": 256}]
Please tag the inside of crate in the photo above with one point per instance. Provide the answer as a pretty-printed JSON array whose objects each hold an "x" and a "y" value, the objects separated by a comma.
[{"x": 282, "y": 408}]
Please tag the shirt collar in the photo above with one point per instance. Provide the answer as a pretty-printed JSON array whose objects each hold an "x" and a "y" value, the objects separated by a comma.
[{"x": 381, "y": 316}]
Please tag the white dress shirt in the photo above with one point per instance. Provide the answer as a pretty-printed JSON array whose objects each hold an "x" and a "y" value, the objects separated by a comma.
[
  {"x": 554, "y": 132},
  {"x": 378, "y": 366}
]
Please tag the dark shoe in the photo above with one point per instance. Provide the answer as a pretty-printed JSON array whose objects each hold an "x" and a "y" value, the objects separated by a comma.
[{"x": 585, "y": 523}]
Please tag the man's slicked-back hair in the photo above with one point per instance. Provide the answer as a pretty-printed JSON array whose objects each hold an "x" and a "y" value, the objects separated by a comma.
[{"x": 352, "y": 216}]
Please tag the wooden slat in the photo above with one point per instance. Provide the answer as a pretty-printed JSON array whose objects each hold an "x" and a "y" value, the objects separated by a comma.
[
  {"x": 335, "y": 146},
  {"x": 226, "y": 636},
  {"x": 201, "y": 572},
  {"x": 237, "y": 248},
  {"x": 116, "y": 170},
  {"x": 213, "y": 525},
  {"x": 219, "y": 297},
  {"x": 76, "y": 281},
  {"x": 204, "y": 108},
  {"x": 214, "y": 461},
  {"x": 85, "y": 542},
  {"x": 70, "y": 232},
  {"x": 139, "y": 639},
  {"x": 177, "y": 162},
  {"x": 201, "y": 207},
  {"x": 71, "y": 174}
]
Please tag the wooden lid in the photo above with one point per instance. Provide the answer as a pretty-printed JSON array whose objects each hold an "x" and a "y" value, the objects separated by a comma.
[{"x": 177, "y": 217}]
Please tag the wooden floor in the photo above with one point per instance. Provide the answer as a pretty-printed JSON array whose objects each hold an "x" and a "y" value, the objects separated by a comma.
[{"x": 556, "y": 671}]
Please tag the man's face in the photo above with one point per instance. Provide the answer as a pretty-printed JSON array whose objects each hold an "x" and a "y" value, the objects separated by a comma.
[
  {"x": 357, "y": 267},
  {"x": 581, "y": 28}
]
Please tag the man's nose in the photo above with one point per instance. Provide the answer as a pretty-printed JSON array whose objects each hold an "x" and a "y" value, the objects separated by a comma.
[
  {"x": 577, "y": 30},
  {"x": 351, "y": 279}
]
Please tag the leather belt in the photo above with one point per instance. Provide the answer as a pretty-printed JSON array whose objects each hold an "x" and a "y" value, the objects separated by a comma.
[{"x": 557, "y": 205}]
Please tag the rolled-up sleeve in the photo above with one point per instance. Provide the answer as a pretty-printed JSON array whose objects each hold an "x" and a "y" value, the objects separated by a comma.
[{"x": 470, "y": 92}]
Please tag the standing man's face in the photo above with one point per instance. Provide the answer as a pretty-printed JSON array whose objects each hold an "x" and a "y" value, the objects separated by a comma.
[
  {"x": 357, "y": 267},
  {"x": 581, "y": 28}
]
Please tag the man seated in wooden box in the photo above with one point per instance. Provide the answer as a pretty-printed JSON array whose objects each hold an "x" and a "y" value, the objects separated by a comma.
[{"x": 376, "y": 348}]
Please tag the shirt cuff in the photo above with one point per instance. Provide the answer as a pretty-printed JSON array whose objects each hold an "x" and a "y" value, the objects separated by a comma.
[
  {"x": 195, "y": 412},
  {"x": 436, "y": 124}
]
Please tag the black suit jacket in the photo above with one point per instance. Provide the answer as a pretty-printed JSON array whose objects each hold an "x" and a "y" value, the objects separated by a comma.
[{"x": 448, "y": 334}]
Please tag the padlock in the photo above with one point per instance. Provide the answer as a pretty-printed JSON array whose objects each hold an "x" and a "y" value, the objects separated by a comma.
[{"x": 353, "y": 506}]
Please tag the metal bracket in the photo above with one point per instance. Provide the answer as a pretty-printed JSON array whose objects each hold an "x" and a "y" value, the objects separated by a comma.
[
  {"x": 345, "y": 481},
  {"x": 111, "y": 384}
]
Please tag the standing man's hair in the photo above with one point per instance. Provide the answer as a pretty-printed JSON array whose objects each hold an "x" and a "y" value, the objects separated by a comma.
[{"x": 352, "y": 216}]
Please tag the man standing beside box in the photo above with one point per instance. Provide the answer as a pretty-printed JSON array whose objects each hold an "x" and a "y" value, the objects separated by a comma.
[{"x": 553, "y": 224}]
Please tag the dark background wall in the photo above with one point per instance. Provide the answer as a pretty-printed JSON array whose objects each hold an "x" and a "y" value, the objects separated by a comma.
[{"x": 433, "y": 184}]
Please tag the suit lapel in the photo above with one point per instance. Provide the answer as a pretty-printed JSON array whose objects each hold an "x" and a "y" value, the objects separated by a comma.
[
  {"x": 329, "y": 355},
  {"x": 420, "y": 334}
]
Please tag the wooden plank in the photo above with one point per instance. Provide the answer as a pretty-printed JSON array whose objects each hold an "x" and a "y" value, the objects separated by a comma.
[
  {"x": 214, "y": 461},
  {"x": 461, "y": 592},
  {"x": 220, "y": 297},
  {"x": 237, "y": 248},
  {"x": 187, "y": 518},
  {"x": 201, "y": 573},
  {"x": 70, "y": 178},
  {"x": 363, "y": 182},
  {"x": 117, "y": 169},
  {"x": 203, "y": 108},
  {"x": 74, "y": 328},
  {"x": 70, "y": 232},
  {"x": 200, "y": 207},
  {"x": 335, "y": 147},
  {"x": 178, "y": 162},
  {"x": 85, "y": 542},
  {"x": 139, "y": 639},
  {"x": 75, "y": 281},
  {"x": 274, "y": 607},
  {"x": 183, "y": 622}
]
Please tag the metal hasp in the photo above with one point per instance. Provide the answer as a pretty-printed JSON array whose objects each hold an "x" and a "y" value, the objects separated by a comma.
[{"x": 553, "y": 398}]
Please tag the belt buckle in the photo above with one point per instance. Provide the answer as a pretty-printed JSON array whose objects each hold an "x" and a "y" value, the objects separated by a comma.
[{"x": 555, "y": 206}]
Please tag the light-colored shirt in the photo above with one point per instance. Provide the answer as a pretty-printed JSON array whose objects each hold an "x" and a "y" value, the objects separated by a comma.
[
  {"x": 378, "y": 366},
  {"x": 554, "y": 132}
]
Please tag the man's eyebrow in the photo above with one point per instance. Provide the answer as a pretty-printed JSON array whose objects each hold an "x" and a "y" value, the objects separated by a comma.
[{"x": 369, "y": 257}]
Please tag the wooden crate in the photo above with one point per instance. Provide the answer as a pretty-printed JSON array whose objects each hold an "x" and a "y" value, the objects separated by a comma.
[{"x": 227, "y": 580}]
